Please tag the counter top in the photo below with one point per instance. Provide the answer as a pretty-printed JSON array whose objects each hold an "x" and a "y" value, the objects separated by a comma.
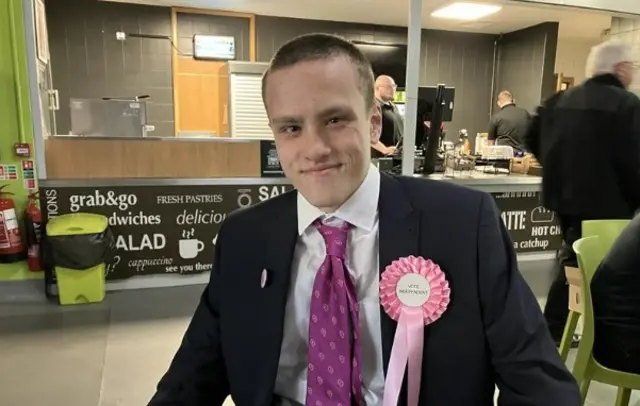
[
  {"x": 167, "y": 139},
  {"x": 479, "y": 180}
]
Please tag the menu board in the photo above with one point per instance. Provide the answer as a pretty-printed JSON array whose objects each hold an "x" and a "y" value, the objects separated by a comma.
[
  {"x": 173, "y": 230},
  {"x": 269, "y": 161},
  {"x": 158, "y": 229},
  {"x": 532, "y": 228}
]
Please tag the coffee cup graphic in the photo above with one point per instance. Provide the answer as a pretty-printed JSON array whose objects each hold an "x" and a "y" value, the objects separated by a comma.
[{"x": 190, "y": 248}]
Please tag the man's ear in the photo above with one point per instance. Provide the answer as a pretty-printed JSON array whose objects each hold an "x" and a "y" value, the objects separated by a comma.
[{"x": 375, "y": 123}]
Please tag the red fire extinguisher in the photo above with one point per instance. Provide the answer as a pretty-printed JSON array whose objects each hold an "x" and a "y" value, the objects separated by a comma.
[
  {"x": 11, "y": 247},
  {"x": 32, "y": 220}
]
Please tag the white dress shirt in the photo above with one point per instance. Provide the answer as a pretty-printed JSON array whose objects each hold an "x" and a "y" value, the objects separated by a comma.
[{"x": 362, "y": 260}]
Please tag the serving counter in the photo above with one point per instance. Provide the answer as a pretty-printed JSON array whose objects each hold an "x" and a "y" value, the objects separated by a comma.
[
  {"x": 166, "y": 228},
  {"x": 73, "y": 157}
]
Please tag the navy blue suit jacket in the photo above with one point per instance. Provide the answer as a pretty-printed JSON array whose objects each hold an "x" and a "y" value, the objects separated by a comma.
[{"x": 492, "y": 333}]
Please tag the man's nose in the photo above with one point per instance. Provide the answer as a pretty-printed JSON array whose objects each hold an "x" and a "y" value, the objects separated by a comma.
[{"x": 317, "y": 143}]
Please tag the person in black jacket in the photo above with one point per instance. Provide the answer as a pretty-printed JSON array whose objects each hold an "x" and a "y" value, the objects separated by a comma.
[
  {"x": 392, "y": 120},
  {"x": 615, "y": 291},
  {"x": 588, "y": 142},
  {"x": 256, "y": 334},
  {"x": 509, "y": 126}
]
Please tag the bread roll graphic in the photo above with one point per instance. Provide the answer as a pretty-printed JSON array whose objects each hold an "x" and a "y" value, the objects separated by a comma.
[{"x": 542, "y": 215}]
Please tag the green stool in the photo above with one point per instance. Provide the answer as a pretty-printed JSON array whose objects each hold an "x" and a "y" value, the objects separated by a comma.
[
  {"x": 591, "y": 251},
  {"x": 608, "y": 231},
  {"x": 79, "y": 286}
]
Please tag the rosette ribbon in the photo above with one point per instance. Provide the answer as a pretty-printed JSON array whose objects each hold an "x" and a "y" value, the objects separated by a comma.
[{"x": 415, "y": 293}]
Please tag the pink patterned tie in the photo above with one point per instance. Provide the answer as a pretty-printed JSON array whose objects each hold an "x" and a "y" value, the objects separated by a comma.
[{"x": 334, "y": 374}]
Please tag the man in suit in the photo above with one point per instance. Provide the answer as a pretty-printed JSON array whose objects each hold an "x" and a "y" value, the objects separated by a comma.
[{"x": 295, "y": 281}]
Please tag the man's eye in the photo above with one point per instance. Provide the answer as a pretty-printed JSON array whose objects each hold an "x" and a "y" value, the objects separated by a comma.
[
  {"x": 335, "y": 120},
  {"x": 290, "y": 129}
]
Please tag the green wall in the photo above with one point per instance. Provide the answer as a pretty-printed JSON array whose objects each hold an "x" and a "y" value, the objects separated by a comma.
[{"x": 15, "y": 111}]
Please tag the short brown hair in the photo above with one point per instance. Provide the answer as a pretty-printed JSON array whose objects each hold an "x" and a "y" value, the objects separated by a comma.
[{"x": 317, "y": 46}]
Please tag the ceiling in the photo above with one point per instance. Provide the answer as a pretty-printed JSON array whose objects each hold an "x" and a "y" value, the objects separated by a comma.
[{"x": 574, "y": 23}]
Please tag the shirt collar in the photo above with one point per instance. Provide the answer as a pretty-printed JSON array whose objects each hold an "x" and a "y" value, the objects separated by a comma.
[
  {"x": 384, "y": 103},
  {"x": 360, "y": 210}
]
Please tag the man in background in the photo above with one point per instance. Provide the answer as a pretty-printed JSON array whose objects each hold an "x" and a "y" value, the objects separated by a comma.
[
  {"x": 509, "y": 126},
  {"x": 588, "y": 142},
  {"x": 392, "y": 121}
]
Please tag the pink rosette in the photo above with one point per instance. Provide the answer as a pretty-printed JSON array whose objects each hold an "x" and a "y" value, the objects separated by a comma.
[{"x": 430, "y": 298}]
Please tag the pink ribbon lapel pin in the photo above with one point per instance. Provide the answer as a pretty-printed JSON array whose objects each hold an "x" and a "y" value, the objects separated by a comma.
[{"x": 415, "y": 293}]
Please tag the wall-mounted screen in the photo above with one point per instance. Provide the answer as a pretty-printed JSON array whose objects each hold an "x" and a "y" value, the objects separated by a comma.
[
  {"x": 427, "y": 94},
  {"x": 214, "y": 47},
  {"x": 386, "y": 59}
]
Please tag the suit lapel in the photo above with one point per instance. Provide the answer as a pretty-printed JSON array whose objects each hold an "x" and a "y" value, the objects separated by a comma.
[
  {"x": 281, "y": 235},
  {"x": 398, "y": 237}
]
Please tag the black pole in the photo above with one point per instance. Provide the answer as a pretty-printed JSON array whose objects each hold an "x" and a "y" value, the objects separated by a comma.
[{"x": 433, "y": 140}]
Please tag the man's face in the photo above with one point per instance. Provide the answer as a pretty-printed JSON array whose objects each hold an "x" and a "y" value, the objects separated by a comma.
[
  {"x": 322, "y": 128},
  {"x": 387, "y": 90},
  {"x": 624, "y": 71}
]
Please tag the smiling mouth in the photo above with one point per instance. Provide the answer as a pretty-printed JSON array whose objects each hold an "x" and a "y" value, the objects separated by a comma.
[{"x": 322, "y": 170}]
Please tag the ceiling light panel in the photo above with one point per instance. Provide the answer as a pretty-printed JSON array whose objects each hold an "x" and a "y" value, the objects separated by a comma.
[{"x": 466, "y": 11}]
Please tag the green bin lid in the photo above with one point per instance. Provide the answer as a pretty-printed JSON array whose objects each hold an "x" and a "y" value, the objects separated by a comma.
[{"x": 77, "y": 224}]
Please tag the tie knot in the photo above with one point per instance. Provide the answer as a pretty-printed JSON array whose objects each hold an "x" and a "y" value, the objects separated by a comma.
[{"x": 335, "y": 238}]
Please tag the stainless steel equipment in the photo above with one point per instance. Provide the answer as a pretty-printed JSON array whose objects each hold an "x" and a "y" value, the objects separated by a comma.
[{"x": 109, "y": 117}]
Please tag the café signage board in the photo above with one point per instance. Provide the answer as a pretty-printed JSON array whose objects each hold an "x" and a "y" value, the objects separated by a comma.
[
  {"x": 269, "y": 160},
  {"x": 159, "y": 229},
  {"x": 532, "y": 228},
  {"x": 173, "y": 229},
  {"x": 214, "y": 47}
]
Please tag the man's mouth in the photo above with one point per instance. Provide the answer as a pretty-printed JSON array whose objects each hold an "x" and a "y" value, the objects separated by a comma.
[{"x": 321, "y": 170}]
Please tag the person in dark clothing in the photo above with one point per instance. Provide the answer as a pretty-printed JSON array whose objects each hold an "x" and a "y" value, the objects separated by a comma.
[
  {"x": 510, "y": 125},
  {"x": 588, "y": 142},
  {"x": 392, "y": 120},
  {"x": 615, "y": 291}
]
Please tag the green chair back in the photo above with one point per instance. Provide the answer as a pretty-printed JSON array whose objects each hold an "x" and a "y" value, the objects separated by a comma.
[
  {"x": 590, "y": 251},
  {"x": 607, "y": 230}
]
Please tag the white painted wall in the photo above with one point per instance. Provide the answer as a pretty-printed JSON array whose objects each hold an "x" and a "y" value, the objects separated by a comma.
[
  {"x": 628, "y": 30},
  {"x": 621, "y": 6},
  {"x": 571, "y": 57}
]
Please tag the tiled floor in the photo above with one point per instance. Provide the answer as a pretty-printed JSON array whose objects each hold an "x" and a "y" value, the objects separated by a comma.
[{"x": 113, "y": 354}]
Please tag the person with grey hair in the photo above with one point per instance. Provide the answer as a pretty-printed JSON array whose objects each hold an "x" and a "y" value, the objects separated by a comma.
[{"x": 588, "y": 142}]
